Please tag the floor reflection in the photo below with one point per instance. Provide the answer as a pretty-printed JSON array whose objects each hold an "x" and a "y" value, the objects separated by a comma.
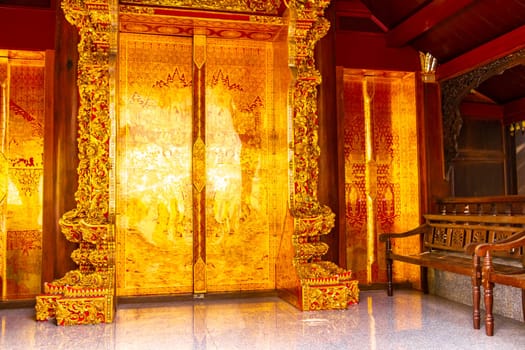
[{"x": 408, "y": 320}]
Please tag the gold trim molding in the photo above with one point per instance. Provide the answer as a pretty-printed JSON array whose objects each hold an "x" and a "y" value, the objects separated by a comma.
[{"x": 246, "y": 6}]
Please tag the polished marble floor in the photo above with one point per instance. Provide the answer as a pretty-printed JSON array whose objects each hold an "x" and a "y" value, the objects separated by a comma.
[{"x": 409, "y": 320}]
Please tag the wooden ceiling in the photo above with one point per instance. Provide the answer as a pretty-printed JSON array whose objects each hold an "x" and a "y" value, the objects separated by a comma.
[{"x": 461, "y": 34}]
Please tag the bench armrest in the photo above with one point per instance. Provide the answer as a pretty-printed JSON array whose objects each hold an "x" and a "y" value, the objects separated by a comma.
[
  {"x": 383, "y": 237},
  {"x": 514, "y": 241}
]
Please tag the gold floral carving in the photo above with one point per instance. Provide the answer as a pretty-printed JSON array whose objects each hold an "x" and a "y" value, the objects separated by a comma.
[
  {"x": 257, "y": 6},
  {"x": 267, "y": 20},
  {"x": 199, "y": 164},
  {"x": 85, "y": 295},
  {"x": 77, "y": 311},
  {"x": 324, "y": 285},
  {"x": 136, "y": 9},
  {"x": 134, "y": 19}
]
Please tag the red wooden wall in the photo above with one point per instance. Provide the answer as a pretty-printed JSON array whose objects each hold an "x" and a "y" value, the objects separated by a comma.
[{"x": 27, "y": 25}]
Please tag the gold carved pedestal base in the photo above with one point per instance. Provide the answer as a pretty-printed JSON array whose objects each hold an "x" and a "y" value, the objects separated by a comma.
[
  {"x": 84, "y": 295},
  {"x": 335, "y": 292},
  {"x": 75, "y": 305}
]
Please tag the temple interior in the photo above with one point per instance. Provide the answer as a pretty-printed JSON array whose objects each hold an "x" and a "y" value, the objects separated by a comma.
[{"x": 155, "y": 149}]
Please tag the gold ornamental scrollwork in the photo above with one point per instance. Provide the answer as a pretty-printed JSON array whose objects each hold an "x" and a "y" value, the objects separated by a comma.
[
  {"x": 253, "y": 6},
  {"x": 85, "y": 295},
  {"x": 267, "y": 19},
  {"x": 324, "y": 285}
]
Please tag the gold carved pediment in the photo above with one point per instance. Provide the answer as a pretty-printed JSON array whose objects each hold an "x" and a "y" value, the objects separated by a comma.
[{"x": 156, "y": 20}]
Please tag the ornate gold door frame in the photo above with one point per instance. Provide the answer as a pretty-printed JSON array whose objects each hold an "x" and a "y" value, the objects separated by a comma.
[{"x": 86, "y": 295}]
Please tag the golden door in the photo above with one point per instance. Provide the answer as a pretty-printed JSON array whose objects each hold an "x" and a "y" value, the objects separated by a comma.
[{"x": 201, "y": 134}]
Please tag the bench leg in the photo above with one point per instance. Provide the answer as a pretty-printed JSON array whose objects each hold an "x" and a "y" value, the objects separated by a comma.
[
  {"x": 489, "y": 318},
  {"x": 523, "y": 303},
  {"x": 476, "y": 293},
  {"x": 390, "y": 285},
  {"x": 489, "y": 294},
  {"x": 424, "y": 279}
]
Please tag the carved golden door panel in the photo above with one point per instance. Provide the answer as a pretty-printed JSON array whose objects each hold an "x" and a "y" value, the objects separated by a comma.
[
  {"x": 154, "y": 220},
  {"x": 240, "y": 251},
  {"x": 193, "y": 160}
]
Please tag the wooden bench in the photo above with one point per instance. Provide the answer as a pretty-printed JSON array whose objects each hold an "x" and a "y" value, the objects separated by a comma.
[
  {"x": 448, "y": 243},
  {"x": 496, "y": 268}
]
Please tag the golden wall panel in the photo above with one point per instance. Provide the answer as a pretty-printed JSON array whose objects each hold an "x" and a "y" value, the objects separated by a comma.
[
  {"x": 355, "y": 181},
  {"x": 154, "y": 224},
  {"x": 381, "y": 176},
  {"x": 405, "y": 172},
  {"x": 24, "y": 145}
]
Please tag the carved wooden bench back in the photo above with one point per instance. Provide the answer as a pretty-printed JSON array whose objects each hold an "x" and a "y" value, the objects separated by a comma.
[{"x": 455, "y": 232}]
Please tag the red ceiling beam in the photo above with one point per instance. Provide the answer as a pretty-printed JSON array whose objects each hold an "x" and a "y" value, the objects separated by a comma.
[
  {"x": 351, "y": 8},
  {"x": 484, "y": 111},
  {"x": 486, "y": 53},
  {"x": 423, "y": 20},
  {"x": 357, "y": 9},
  {"x": 24, "y": 28}
]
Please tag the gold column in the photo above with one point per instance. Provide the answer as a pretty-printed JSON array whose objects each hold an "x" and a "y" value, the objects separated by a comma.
[
  {"x": 370, "y": 180},
  {"x": 324, "y": 285},
  {"x": 4, "y": 109},
  {"x": 86, "y": 295},
  {"x": 199, "y": 164}
]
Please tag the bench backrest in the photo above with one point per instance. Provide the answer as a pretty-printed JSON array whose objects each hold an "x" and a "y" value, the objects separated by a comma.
[{"x": 455, "y": 232}]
